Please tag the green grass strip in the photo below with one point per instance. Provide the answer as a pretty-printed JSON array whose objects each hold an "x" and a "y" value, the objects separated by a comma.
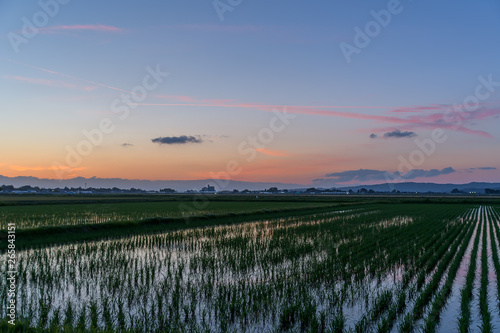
[{"x": 45, "y": 236}]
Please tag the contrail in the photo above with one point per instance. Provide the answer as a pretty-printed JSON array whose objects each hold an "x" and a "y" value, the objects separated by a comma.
[{"x": 243, "y": 105}]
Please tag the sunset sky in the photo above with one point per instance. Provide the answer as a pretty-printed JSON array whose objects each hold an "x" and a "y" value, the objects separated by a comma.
[{"x": 321, "y": 92}]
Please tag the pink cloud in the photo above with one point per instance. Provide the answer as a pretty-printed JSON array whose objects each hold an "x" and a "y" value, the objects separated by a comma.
[
  {"x": 427, "y": 121},
  {"x": 71, "y": 77},
  {"x": 412, "y": 109},
  {"x": 271, "y": 152},
  {"x": 405, "y": 118},
  {"x": 224, "y": 103}
]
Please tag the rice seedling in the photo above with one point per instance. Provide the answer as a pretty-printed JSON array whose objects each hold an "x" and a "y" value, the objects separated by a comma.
[
  {"x": 495, "y": 245},
  {"x": 483, "y": 293},
  {"x": 50, "y": 215},
  {"x": 367, "y": 269}
]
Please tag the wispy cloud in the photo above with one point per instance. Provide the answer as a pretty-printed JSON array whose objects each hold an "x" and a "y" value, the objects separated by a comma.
[
  {"x": 399, "y": 134},
  {"x": 419, "y": 173},
  {"x": 365, "y": 175},
  {"x": 177, "y": 140},
  {"x": 80, "y": 27},
  {"x": 482, "y": 168},
  {"x": 395, "y": 134},
  {"x": 408, "y": 118},
  {"x": 420, "y": 108},
  {"x": 265, "y": 107},
  {"x": 70, "y": 76},
  {"x": 49, "y": 83},
  {"x": 126, "y": 145},
  {"x": 430, "y": 121},
  {"x": 212, "y": 138},
  {"x": 360, "y": 175}
]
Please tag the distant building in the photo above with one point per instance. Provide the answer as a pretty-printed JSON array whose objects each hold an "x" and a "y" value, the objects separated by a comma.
[{"x": 208, "y": 189}]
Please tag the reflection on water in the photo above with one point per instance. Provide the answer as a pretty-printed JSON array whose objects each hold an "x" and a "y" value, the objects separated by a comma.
[{"x": 256, "y": 276}]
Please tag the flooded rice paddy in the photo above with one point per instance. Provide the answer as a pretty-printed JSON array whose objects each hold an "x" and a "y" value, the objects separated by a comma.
[{"x": 373, "y": 269}]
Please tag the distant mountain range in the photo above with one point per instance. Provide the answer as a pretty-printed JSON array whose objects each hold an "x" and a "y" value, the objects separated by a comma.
[
  {"x": 426, "y": 187},
  {"x": 184, "y": 185}
]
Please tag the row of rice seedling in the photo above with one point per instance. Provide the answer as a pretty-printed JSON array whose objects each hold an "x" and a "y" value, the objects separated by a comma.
[
  {"x": 483, "y": 243},
  {"x": 464, "y": 320},
  {"x": 449, "y": 259},
  {"x": 441, "y": 298},
  {"x": 482, "y": 275},
  {"x": 407, "y": 289},
  {"x": 435, "y": 247},
  {"x": 359, "y": 270},
  {"x": 495, "y": 250},
  {"x": 483, "y": 293}
]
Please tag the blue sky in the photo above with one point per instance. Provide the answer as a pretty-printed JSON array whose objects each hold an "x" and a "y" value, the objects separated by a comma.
[{"x": 226, "y": 76}]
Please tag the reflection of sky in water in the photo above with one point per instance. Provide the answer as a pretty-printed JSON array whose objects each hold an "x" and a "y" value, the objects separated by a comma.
[{"x": 137, "y": 269}]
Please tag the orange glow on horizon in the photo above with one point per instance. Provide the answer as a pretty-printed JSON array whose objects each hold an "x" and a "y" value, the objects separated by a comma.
[{"x": 271, "y": 152}]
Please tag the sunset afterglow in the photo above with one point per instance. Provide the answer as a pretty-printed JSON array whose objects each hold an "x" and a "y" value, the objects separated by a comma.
[{"x": 170, "y": 91}]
